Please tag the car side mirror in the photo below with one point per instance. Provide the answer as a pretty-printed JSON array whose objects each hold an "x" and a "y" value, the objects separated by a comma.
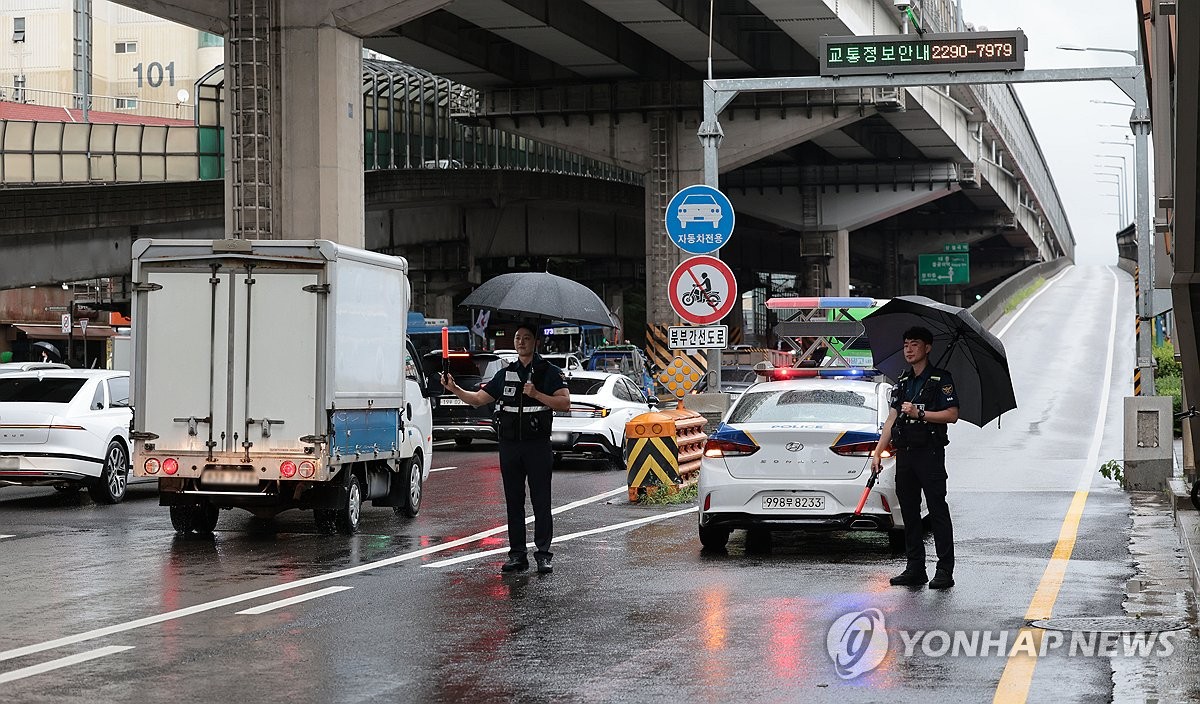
[
  {"x": 653, "y": 400},
  {"x": 97, "y": 406}
]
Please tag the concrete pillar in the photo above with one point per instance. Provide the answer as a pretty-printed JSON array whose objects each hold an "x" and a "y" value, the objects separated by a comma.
[
  {"x": 294, "y": 107},
  {"x": 839, "y": 268},
  {"x": 661, "y": 183},
  {"x": 322, "y": 131}
]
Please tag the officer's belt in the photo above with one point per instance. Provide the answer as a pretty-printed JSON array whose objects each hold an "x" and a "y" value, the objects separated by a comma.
[{"x": 531, "y": 409}]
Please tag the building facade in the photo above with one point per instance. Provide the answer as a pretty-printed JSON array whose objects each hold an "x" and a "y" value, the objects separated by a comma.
[{"x": 138, "y": 62}]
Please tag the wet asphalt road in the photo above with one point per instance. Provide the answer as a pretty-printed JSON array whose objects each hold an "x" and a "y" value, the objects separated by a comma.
[{"x": 636, "y": 613}]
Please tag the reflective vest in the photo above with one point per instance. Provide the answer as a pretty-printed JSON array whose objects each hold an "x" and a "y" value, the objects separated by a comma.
[
  {"x": 519, "y": 417},
  {"x": 910, "y": 433}
]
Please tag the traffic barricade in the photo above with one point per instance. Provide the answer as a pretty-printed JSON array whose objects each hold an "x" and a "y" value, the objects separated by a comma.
[{"x": 663, "y": 449}]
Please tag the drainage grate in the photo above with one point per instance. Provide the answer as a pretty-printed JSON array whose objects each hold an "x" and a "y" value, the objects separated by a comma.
[{"x": 1108, "y": 624}]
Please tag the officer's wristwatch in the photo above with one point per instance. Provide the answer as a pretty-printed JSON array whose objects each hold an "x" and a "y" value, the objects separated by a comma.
[{"x": 920, "y": 414}]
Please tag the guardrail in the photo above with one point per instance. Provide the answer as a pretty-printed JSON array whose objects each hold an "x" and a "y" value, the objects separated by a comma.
[
  {"x": 990, "y": 308},
  {"x": 124, "y": 105}
]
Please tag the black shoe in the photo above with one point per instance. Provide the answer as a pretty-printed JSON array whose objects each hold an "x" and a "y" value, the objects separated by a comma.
[
  {"x": 942, "y": 579},
  {"x": 516, "y": 563},
  {"x": 909, "y": 578},
  {"x": 543, "y": 562}
]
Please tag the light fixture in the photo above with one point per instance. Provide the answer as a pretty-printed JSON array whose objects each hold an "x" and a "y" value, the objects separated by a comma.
[{"x": 66, "y": 287}]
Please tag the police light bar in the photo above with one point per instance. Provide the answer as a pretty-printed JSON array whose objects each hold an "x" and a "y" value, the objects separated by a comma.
[
  {"x": 793, "y": 302},
  {"x": 785, "y": 373}
]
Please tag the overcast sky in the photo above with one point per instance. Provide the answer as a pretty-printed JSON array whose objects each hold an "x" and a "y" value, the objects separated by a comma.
[{"x": 1067, "y": 124}]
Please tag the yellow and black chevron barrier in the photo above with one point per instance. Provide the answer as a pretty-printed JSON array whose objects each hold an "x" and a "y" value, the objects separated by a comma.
[
  {"x": 663, "y": 449},
  {"x": 1137, "y": 381}
]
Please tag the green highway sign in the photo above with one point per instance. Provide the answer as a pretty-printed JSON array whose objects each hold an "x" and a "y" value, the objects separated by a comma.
[
  {"x": 956, "y": 247},
  {"x": 941, "y": 269}
]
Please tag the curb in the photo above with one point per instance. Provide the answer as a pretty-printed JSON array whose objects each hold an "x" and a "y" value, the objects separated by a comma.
[{"x": 1187, "y": 522}]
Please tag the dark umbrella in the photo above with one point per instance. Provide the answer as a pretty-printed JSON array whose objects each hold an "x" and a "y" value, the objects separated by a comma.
[
  {"x": 49, "y": 348},
  {"x": 972, "y": 355},
  {"x": 540, "y": 295}
]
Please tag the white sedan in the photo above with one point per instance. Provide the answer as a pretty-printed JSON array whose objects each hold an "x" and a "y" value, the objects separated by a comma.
[
  {"x": 794, "y": 453},
  {"x": 594, "y": 427},
  {"x": 66, "y": 428}
]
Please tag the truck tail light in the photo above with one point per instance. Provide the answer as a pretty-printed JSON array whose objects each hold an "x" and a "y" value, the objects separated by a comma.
[
  {"x": 308, "y": 469},
  {"x": 152, "y": 466},
  {"x": 170, "y": 466},
  {"x": 287, "y": 468}
]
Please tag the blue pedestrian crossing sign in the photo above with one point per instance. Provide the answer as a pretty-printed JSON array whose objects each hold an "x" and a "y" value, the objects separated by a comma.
[{"x": 699, "y": 219}]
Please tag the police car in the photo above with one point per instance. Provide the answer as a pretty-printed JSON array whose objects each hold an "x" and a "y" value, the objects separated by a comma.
[{"x": 794, "y": 451}]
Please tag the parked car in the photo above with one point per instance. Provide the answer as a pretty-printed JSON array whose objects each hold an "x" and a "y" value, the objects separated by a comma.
[
  {"x": 453, "y": 418},
  {"x": 66, "y": 428},
  {"x": 594, "y": 427},
  {"x": 569, "y": 362},
  {"x": 794, "y": 453},
  {"x": 623, "y": 359}
]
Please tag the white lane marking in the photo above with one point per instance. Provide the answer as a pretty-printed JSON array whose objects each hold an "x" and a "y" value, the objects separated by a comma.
[
  {"x": 62, "y": 662},
  {"x": 565, "y": 538},
  {"x": 2, "y": 537},
  {"x": 265, "y": 591},
  {"x": 441, "y": 469},
  {"x": 1089, "y": 469},
  {"x": 291, "y": 600},
  {"x": 1032, "y": 298}
]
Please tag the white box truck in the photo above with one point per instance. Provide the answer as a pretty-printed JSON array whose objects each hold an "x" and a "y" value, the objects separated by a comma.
[{"x": 276, "y": 374}]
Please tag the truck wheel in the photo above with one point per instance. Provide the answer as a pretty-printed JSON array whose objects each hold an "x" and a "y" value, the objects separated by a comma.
[
  {"x": 204, "y": 520},
  {"x": 410, "y": 490},
  {"x": 349, "y": 515},
  {"x": 462, "y": 442},
  {"x": 109, "y": 487}
]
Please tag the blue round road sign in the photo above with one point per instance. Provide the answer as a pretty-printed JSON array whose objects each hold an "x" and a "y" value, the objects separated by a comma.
[{"x": 699, "y": 219}]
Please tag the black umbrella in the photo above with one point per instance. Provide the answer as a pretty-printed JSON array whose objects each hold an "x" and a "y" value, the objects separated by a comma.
[
  {"x": 972, "y": 355},
  {"x": 48, "y": 348},
  {"x": 541, "y": 295}
]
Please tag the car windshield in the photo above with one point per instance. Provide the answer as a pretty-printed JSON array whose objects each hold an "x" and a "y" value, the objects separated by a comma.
[
  {"x": 33, "y": 390},
  {"x": 804, "y": 406},
  {"x": 584, "y": 387},
  {"x": 614, "y": 364}
]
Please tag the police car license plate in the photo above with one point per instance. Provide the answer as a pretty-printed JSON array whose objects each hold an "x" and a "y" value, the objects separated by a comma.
[
  {"x": 453, "y": 401},
  {"x": 809, "y": 503}
]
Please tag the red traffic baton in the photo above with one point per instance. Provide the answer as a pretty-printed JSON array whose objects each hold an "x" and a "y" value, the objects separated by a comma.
[
  {"x": 445, "y": 348},
  {"x": 866, "y": 492}
]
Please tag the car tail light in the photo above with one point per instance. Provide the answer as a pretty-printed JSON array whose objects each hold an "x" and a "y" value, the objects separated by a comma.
[
  {"x": 886, "y": 506},
  {"x": 857, "y": 449},
  {"x": 707, "y": 500},
  {"x": 170, "y": 466},
  {"x": 727, "y": 448},
  {"x": 308, "y": 469},
  {"x": 152, "y": 466},
  {"x": 287, "y": 468},
  {"x": 583, "y": 410}
]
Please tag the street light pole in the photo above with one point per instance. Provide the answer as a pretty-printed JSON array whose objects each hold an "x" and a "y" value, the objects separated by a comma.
[{"x": 1139, "y": 123}]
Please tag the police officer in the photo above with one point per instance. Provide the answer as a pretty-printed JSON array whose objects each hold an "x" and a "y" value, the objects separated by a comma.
[
  {"x": 924, "y": 403},
  {"x": 526, "y": 392}
]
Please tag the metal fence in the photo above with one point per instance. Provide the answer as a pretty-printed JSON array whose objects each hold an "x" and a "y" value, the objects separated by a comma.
[{"x": 72, "y": 103}]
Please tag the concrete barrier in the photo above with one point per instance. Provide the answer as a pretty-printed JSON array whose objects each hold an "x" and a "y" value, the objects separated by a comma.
[
  {"x": 663, "y": 449},
  {"x": 990, "y": 308}
]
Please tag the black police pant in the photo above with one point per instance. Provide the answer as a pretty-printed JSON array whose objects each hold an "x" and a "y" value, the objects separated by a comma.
[
  {"x": 532, "y": 461},
  {"x": 924, "y": 470}
]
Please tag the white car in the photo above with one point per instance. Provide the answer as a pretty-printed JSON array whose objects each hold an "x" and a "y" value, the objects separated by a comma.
[
  {"x": 66, "y": 428},
  {"x": 594, "y": 427},
  {"x": 699, "y": 208},
  {"x": 795, "y": 454},
  {"x": 569, "y": 362}
]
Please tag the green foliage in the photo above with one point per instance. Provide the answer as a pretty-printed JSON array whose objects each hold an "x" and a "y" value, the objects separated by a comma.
[
  {"x": 662, "y": 497},
  {"x": 1168, "y": 379},
  {"x": 1113, "y": 469},
  {"x": 1019, "y": 297}
]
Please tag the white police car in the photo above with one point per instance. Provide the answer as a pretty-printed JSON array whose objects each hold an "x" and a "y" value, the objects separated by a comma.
[{"x": 794, "y": 453}]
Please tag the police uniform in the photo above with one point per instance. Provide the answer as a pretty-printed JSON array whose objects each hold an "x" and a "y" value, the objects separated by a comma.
[
  {"x": 523, "y": 428},
  {"x": 921, "y": 464}
]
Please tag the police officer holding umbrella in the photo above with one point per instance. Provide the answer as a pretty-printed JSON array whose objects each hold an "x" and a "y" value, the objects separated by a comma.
[
  {"x": 924, "y": 403},
  {"x": 527, "y": 393}
]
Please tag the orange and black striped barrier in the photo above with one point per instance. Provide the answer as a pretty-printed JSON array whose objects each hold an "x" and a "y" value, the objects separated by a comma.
[{"x": 663, "y": 449}]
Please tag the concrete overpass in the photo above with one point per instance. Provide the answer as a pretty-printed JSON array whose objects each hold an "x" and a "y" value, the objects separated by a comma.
[{"x": 843, "y": 187}]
